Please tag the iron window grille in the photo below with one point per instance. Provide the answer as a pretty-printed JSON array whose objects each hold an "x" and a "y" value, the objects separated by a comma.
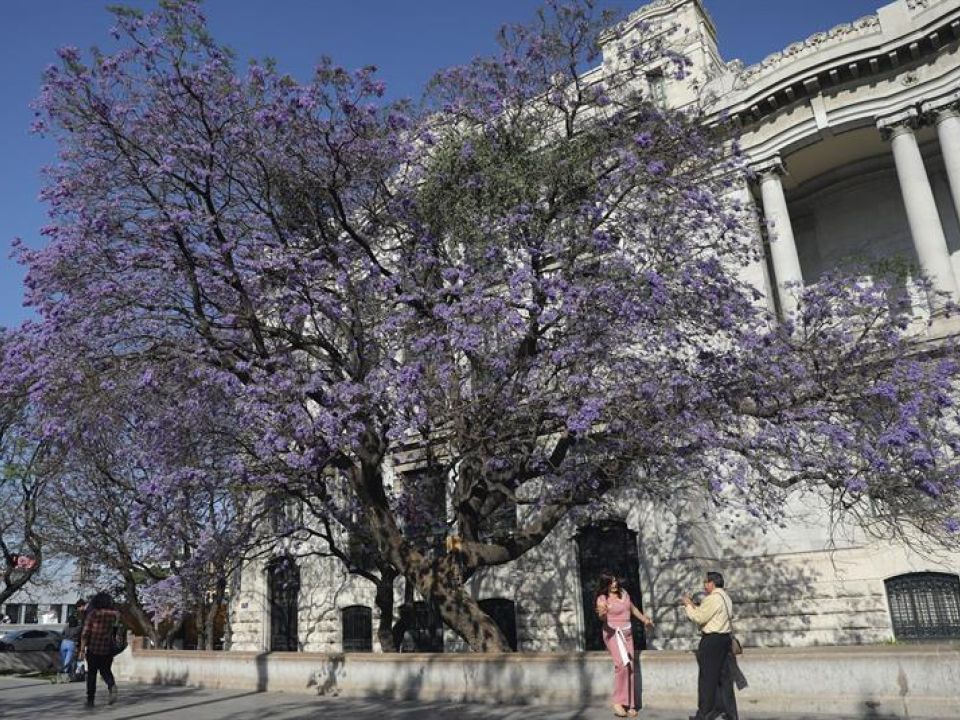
[
  {"x": 357, "y": 629},
  {"x": 924, "y": 606}
]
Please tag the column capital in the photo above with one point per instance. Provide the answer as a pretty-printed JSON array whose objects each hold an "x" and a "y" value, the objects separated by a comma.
[
  {"x": 898, "y": 123},
  {"x": 771, "y": 166},
  {"x": 939, "y": 109}
]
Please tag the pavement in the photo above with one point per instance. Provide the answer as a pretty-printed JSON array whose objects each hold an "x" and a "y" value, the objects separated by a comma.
[{"x": 40, "y": 699}]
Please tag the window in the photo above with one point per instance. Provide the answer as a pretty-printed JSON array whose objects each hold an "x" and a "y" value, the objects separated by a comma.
[
  {"x": 422, "y": 624},
  {"x": 424, "y": 506},
  {"x": 501, "y": 522},
  {"x": 283, "y": 586},
  {"x": 657, "y": 87},
  {"x": 285, "y": 512},
  {"x": 13, "y": 612},
  {"x": 30, "y": 613},
  {"x": 83, "y": 573},
  {"x": 504, "y": 613},
  {"x": 357, "y": 629},
  {"x": 924, "y": 606},
  {"x": 361, "y": 549}
]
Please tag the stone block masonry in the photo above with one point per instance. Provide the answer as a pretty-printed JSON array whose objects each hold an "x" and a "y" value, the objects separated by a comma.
[{"x": 889, "y": 681}]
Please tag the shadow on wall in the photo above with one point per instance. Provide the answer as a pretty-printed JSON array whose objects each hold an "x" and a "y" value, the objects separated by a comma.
[
  {"x": 676, "y": 550},
  {"x": 544, "y": 586},
  {"x": 173, "y": 678},
  {"x": 328, "y": 676},
  {"x": 430, "y": 677},
  {"x": 324, "y": 589}
]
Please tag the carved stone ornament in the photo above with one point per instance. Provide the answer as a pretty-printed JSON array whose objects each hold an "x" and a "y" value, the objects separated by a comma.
[
  {"x": 815, "y": 43},
  {"x": 899, "y": 122},
  {"x": 909, "y": 79}
]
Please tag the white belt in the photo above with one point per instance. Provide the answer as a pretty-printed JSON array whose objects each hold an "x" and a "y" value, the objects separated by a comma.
[{"x": 621, "y": 637}]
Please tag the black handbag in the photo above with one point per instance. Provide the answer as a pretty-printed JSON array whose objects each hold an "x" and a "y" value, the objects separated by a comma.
[{"x": 119, "y": 639}]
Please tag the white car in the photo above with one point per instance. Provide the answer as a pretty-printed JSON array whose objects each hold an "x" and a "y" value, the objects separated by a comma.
[{"x": 26, "y": 640}]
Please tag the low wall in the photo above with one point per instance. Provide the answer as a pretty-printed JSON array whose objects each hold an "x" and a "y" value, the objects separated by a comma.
[{"x": 874, "y": 681}]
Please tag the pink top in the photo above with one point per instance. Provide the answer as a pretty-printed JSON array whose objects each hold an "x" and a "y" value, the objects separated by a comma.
[{"x": 618, "y": 609}]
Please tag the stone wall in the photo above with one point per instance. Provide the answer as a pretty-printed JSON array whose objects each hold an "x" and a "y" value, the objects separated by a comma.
[{"x": 915, "y": 681}]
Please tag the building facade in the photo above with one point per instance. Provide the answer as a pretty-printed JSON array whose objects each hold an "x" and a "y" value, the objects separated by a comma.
[{"x": 853, "y": 137}]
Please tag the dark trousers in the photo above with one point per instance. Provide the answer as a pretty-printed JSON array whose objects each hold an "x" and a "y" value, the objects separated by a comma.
[
  {"x": 711, "y": 658},
  {"x": 726, "y": 701},
  {"x": 103, "y": 665}
]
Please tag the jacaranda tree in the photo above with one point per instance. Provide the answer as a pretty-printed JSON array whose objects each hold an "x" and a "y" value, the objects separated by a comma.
[
  {"x": 533, "y": 281},
  {"x": 26, "y": 467},
  {"x": 152, "y": 490}
]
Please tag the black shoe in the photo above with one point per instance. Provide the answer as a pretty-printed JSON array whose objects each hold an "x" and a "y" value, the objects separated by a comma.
[{"x": 89, "y": 703}]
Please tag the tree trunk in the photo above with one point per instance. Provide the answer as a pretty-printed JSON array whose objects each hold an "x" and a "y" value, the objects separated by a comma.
[
  {"x": 384, "y": 601},
  {"x": 439, "y": 581},
  {"x": 136, "y": 612},
  {"x": 460, "y": 612},
  {"x": 210, "y": 623}
]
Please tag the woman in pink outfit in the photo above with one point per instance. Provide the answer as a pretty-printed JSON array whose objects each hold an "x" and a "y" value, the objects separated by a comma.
[{"x": 614, "y": 608}]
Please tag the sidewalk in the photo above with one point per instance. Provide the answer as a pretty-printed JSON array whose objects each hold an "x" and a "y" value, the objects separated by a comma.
[{"x": 23, "y": 699}]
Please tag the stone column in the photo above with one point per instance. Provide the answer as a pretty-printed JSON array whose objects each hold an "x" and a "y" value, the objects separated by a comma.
[
  {"x": 783, "y": 246},
  {"x": 756, "y": 272},
  {"x": 922, "y": 217},
  {"x": 946, "y": 117}
]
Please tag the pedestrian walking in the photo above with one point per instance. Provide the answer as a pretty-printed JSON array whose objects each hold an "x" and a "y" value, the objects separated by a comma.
[
  {"x": 97, "y": 645},
  {"x": 715, "y": 696},
  {"x": 70, "y": 642},
  {"x": 614, "y": 608}
]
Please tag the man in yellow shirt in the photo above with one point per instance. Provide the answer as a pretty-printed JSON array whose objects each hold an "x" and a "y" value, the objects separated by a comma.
[{"x": 713, "y": 617}]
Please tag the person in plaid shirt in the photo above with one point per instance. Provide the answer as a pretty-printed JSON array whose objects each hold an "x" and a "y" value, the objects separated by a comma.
[{"x": 96, "y": 644}]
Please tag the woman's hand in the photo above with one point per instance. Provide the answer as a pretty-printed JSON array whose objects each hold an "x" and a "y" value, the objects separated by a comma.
[{"x": 645, "y": 619}]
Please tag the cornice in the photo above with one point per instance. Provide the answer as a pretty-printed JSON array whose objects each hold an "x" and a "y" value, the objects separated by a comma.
[
  {"x": 816, "y": 43},
  {"x": 845, "y": 55},
  {"x": 945, "y": 105}
]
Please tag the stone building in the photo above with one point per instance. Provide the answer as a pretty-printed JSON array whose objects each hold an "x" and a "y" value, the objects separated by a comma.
[{"x": 854, "y": 137}]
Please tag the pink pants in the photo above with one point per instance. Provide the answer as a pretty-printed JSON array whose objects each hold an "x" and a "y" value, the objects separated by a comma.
[{"x": 623, "y": 690}]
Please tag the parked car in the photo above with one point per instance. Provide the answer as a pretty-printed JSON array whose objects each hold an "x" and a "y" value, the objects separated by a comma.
[{"x": 26, "y": 640}]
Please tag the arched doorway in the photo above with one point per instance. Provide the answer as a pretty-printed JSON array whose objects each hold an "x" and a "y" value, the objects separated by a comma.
[
  {"x": 283, "y": 591},
  {"x": 608, "y": 546}
]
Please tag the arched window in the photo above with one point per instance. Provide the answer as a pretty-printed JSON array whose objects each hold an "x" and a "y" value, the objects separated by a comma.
[
  {"x": 924, "y": 606},
  {"x": 357, "y": 628},
  {"x": 283, "y": 587},
  {"x": 504, "y": 613}
]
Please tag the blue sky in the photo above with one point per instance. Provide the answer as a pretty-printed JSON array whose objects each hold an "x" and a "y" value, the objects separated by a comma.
[{"x": 407, "y": 39}]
